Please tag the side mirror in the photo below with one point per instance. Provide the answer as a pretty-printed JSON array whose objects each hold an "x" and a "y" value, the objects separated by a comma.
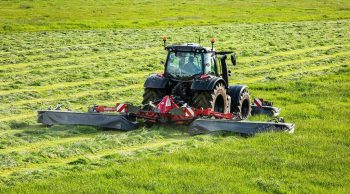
[{"x": 233, "y": 59}]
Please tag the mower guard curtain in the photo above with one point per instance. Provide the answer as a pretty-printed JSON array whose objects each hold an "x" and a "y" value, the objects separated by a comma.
[
  {"x": 244, "y": 127},
  {"x": 266, "y": 110},
  {"x": 111, "y": 121}
]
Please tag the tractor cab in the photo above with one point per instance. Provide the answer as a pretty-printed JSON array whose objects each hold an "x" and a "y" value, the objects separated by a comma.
[{"x": 188, "y": 61}]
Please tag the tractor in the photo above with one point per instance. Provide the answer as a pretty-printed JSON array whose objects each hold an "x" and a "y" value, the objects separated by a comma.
[{"x": 199, "y": 77}]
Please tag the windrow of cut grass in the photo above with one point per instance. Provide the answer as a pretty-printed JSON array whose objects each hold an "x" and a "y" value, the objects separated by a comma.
[
  {"x": 309, "y": 59},
  {"x": 295, "y": 74},
  {"x": 94, "y": 68},
  {"x": 71, "y": 42},
  {"x": 78, "y": 103},
  {"x": 115, "y": 58},
  {"x": 80, "y": 96}
]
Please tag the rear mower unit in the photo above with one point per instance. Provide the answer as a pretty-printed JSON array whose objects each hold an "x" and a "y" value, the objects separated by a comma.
[{"x": 193, "y": 90}]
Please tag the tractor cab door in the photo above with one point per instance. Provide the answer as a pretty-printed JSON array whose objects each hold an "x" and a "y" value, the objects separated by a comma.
[{"x": 210, "y": 64}]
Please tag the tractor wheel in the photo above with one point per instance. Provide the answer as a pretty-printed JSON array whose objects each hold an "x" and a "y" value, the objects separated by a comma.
[
  {"x": 243, "y": 107},
  {"x": 216, "y": 99},
  {"x": 152, "y": 94}
]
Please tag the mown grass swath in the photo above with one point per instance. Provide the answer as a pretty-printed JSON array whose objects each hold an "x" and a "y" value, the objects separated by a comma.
[{"x": 302, "y": 66}]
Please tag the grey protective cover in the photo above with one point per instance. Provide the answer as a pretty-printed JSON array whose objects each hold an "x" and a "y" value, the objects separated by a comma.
[
  {"x": 244, "y": 127},
  {"x": 266, "y": 110},
  {"x": 111, "y": 121}
]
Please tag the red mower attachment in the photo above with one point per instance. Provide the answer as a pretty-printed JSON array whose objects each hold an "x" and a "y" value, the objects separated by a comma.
[
  {"x": 122, "y": 108},
  {"x": 165, "y": 111}
]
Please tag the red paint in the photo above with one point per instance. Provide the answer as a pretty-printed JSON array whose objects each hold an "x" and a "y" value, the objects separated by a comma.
[
  {"x": 204, "y": 76},
  {"x": 258, "y": 102},
  {"x": 166, "y": 105}
]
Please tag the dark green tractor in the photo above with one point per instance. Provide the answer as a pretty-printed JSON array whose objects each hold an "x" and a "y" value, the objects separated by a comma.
[{"x": 198, "y": 76}]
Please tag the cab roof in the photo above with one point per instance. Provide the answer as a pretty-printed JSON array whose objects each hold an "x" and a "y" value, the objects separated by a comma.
[{"x": 189, "y": 47}]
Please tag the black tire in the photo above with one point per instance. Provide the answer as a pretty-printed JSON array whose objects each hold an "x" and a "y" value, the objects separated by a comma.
[
  {"x": 152, "y": 94},
  {"x": 216, "y": 99},
  {"x": 243, "y": 107}
]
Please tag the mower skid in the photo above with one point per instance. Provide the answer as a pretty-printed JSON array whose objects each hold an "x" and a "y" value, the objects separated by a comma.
[
  {"x": 111, "y": 121},
  {"x": 200, "y": 126}
]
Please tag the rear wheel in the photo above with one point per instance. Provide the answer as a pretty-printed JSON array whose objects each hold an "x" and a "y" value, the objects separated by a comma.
[
  {"x": 151, "y": 95},
  {"x": 216, "y": 99}
]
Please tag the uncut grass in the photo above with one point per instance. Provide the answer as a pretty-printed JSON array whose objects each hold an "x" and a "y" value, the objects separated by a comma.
[
  {"x": 94, "y": 161},
  {"x": 17, "y": 158},
  {"x": 56, "y": 15},
  {"x": 63, "y": 149},
  {"x": 25, "y": 162}
]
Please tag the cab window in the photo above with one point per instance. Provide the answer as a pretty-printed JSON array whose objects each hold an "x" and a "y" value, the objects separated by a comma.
[
  {"x": 209, "y": 64},
  {"x": 184, "y": 64}
]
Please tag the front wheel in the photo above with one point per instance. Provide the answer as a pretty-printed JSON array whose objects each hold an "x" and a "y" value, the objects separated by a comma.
[
  {"x": 243, "y": 106},
  {"x": 152, "y": 94}
]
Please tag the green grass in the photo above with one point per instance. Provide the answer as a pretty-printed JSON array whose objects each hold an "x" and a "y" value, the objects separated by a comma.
[
  {"x": 314, "y": 159},
  {"x": 303, "y": 66},
  {"x": 56, "y": 15}
]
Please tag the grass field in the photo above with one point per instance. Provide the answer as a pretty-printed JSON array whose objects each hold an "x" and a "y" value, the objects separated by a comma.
[
  {"x": 31, "y": 15},
  {"x": 300, "y": 61}
]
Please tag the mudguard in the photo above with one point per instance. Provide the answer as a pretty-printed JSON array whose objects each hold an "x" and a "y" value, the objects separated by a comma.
[
  {"x": 207, "y": 83},
  {"x": 235, "y": 93},
  {"x": 156, "y": 81}
]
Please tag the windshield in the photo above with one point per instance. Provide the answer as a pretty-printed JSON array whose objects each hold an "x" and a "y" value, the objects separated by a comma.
[{"x": 184, "y": 64}]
